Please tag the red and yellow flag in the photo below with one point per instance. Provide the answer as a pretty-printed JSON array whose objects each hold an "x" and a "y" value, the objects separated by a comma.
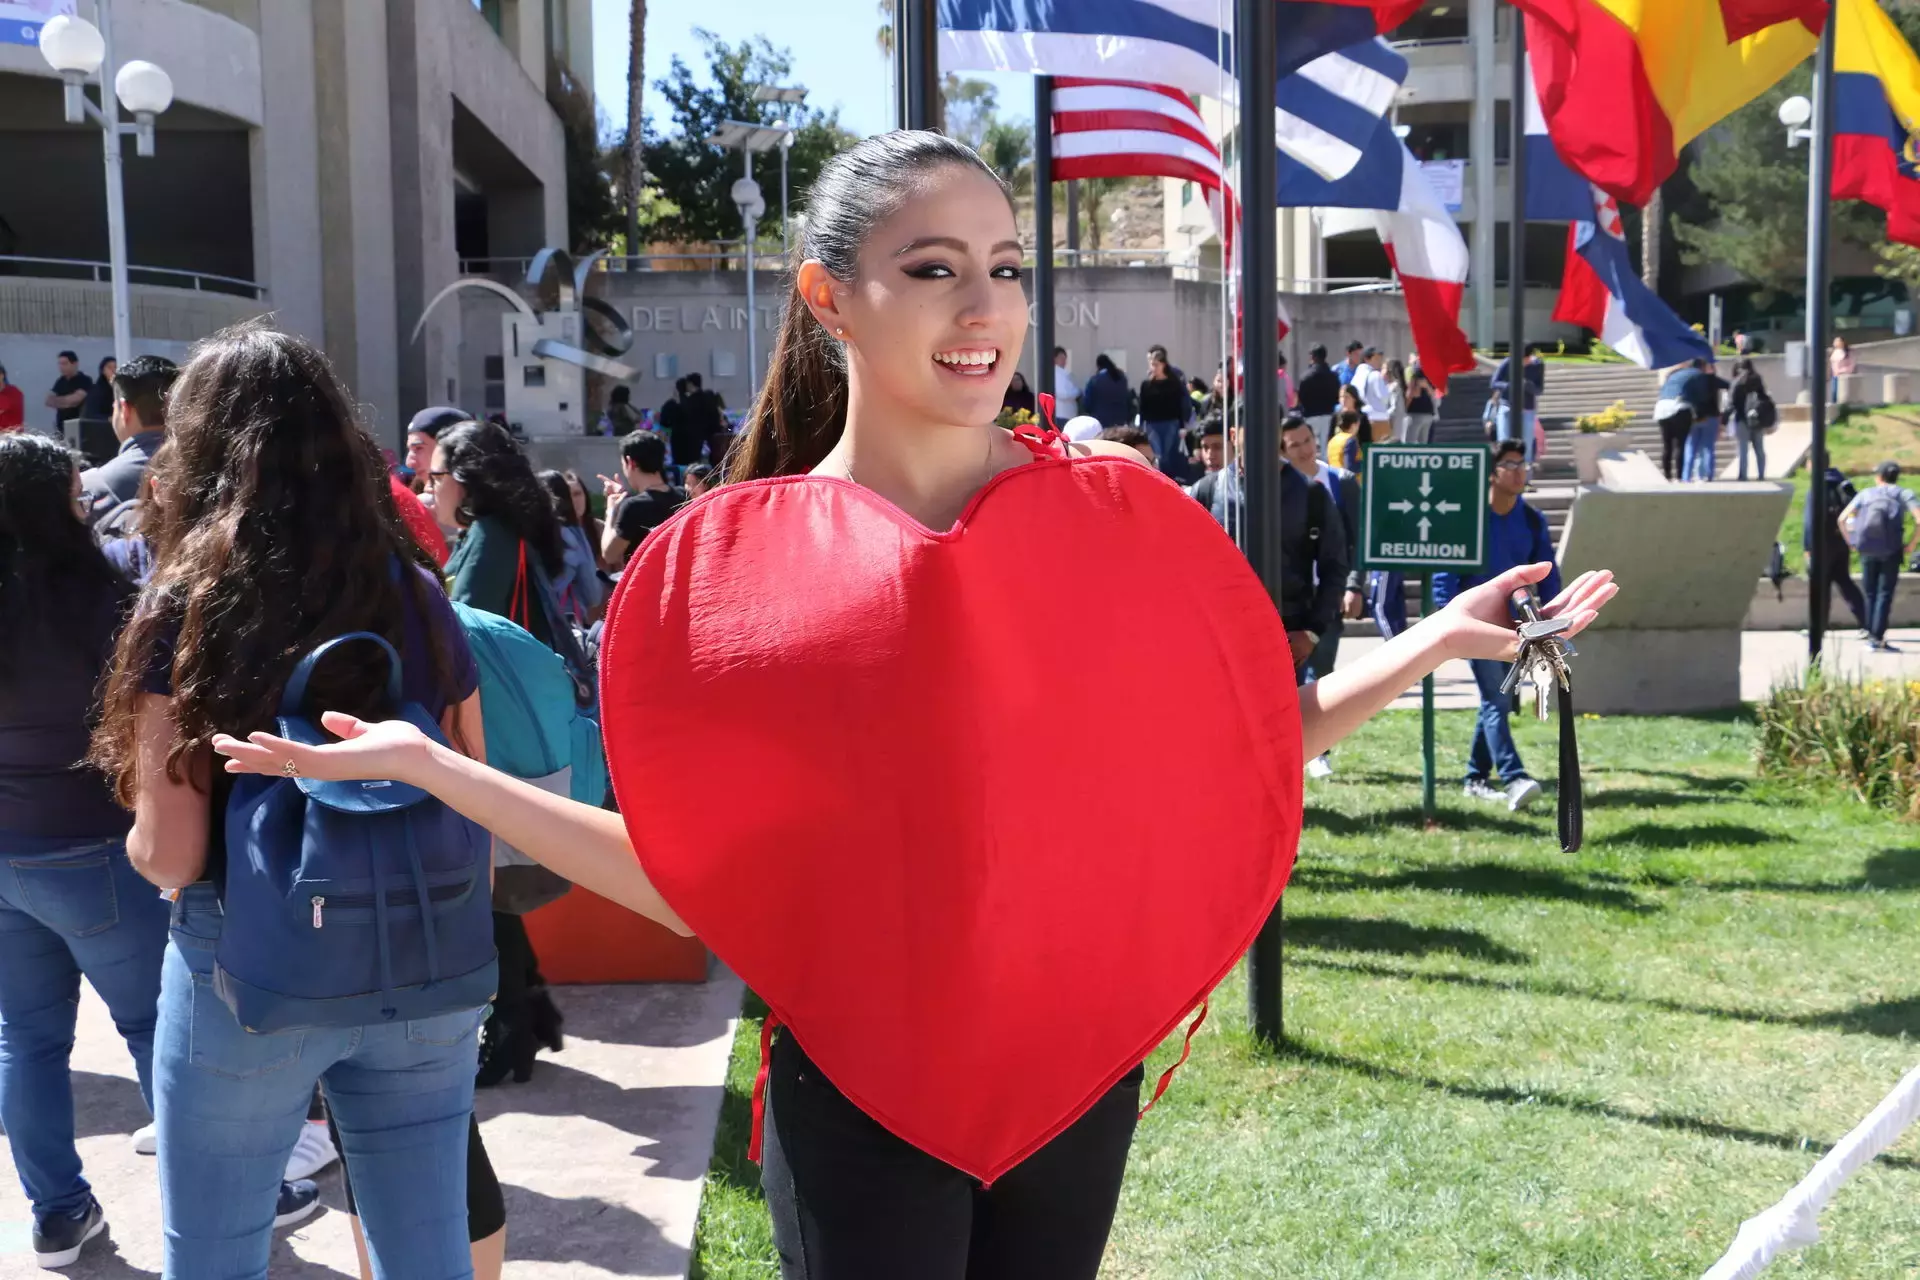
[{"x": 1625, "y": 84}]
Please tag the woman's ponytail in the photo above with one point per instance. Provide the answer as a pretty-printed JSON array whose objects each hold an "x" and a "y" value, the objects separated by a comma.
[{"x": 802, "y": 407}]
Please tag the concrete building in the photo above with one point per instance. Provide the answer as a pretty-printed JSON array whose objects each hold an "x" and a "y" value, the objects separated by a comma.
[
  {"x": 1455, "y": 107},
  {"x": 327, "y": 161}
]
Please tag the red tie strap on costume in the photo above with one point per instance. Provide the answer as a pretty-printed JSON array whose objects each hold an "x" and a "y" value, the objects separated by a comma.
[
  {"x": 1045, "y": 441},
  {"x": 759, "y": 1121},
  {"x": 1186, "y": 1047}
]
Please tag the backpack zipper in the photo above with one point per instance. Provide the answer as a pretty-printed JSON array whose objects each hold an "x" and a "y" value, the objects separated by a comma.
[{"x": 397, "y": 898}]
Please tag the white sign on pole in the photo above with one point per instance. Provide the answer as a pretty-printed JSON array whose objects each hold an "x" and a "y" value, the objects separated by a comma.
[
  {"x": 21, "y": 20},
  {"x": 1449, "y": 179}
]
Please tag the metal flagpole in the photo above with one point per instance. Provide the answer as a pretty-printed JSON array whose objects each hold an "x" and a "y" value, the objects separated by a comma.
[
  {"x": 1517, "y": 236},
  {"x": 918, "y": 35},
  {"x": 1254, "y": 53},
  {"x": 1820, "y": 182},
  {"x": 1043, "y": 315}
]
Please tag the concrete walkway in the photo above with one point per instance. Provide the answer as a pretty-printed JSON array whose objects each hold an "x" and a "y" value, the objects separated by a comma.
[
  {"x": 602, "y": 1154},
  {"x": 1765, "y": 656}
]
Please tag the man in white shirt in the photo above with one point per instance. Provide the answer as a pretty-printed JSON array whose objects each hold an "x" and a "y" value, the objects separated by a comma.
[
  {"x": 1066, "y": 392},
  {"x": 1371, "y": 384}
]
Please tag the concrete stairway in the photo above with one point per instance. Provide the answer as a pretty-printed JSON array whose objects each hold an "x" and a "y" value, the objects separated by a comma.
[{"x": 1573, "y": 391}]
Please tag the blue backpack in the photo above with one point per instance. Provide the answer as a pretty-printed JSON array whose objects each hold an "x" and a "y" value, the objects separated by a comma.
[
  {"x": 1879, "y": 521},
  {"x": 326, "y": 882},
  {"x": 535, "y": 726}
]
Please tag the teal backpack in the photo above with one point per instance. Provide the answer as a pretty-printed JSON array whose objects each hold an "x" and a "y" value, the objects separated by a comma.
[{"x": 536, "y": 730}]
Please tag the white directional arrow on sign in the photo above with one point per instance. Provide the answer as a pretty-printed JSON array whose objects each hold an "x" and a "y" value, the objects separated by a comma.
[
  {"x": 1446, "y": 508},
  {"x": 1426, "y": 527},
  {"x": 1402, "y": 507},
  {"x": 1426, "y": 485}
]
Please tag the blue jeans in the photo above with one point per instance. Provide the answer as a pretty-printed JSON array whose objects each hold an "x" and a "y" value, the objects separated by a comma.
[
  {"x": 1320, "y": 661},
  {"x": 66, "y": 909},
  {"x": 1702, "y": 443},
  {"x": 1879, "y": 575},
  {"x": 230, "y": 1104},
  {"x": 1747, "y": 438},
  {"x": 1493, "y": 750},
  {"x": 1166, "y": 443},
  {"x": 1387, "y": 601}
]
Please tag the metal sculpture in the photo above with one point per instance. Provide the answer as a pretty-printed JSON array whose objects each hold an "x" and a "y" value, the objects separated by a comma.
[{"x": 547, "y": 353}]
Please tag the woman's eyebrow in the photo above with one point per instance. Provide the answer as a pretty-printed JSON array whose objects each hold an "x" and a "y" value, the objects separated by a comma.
[{"x": 948, "y": 242}]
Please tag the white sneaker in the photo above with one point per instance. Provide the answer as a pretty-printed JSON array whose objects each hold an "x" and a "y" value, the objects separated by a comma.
[
  {"x": 1480, "y": 789},
  {"x": 1320, "y": 767},
  {"x": 145, "y": 1141},
  {"x": 312, "y": 1153},
  {"x": 1521, "y": 794}
]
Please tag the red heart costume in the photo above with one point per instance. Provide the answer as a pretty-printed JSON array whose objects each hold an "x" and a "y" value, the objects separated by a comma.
[{"x": 971, "y": 849}]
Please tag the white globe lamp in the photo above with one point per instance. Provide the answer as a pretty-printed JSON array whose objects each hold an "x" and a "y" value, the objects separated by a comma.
[
  {"x": 1795, "y": 112},
  {"x": 143, "y": 88},
  {"x": 72, "y": 46}
]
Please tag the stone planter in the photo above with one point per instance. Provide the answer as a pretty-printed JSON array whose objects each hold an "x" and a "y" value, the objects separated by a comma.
[{"x": 1587, "y": 448}]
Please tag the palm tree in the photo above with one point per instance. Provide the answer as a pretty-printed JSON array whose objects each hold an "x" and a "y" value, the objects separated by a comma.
[
  {"x": 636, "y": 139},
  {"x": 1652, "y": 225},
  {"x": 884, "y": 36}
]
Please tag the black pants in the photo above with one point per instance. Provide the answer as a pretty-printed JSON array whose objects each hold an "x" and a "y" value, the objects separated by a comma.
[
  {"x": 1673, "y": 443},
  {"x": 486, "y": 1207},
  {"x": 1840, "y": 577},
  {"x": 851, "y": 1201}
]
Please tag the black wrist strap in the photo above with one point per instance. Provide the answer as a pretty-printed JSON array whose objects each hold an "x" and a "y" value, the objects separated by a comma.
[{"x": 1571, "y": 815}]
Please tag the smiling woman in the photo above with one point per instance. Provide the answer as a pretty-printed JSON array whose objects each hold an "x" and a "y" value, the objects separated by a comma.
[{"x": 866, "y": 619}]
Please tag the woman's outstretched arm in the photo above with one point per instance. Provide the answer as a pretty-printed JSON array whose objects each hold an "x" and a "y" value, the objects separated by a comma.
[
  {"x": 1477, "y": 624},
  {"x": 588, "y": 846}
]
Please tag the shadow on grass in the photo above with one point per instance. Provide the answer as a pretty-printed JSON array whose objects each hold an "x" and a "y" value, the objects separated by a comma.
[
  {"x": 1896, "y": 869},
  {"x": 1670, "y": 1121},
  {"x": 1477, "y": 879},
  {"x": 1396, "y": 937},
  {"x": 1650, "y": 798},
  {"x": 1893, "y": 1019},
  {"x": 1686, "y": 835},
  {"x": 1318, "y": 817}
]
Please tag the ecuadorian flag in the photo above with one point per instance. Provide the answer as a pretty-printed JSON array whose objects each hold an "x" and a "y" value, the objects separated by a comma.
[
  {"x": 1876, "y": 106},
  {"x": 1626, "y": 83}
]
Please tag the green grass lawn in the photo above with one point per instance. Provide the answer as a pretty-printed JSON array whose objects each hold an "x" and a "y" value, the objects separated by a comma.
[
  {"x": 1857, "y": 446},
  {"x": 1506, "y": 1061}
]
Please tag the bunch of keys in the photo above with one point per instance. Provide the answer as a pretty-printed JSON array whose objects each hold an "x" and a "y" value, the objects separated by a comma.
[
  {"x": 1543, "y": 654},
  {"x": 1544, "y": 650}
]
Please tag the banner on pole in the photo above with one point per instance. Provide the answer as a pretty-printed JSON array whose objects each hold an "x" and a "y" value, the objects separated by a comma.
[
  {"x": 1449, "y": 179},
  {"x": 21, "y": 20}
]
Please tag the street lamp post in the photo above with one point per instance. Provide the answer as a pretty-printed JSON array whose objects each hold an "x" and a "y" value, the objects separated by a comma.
[
  {"x": 738, "y": 135},
  {"x": 789, "y": 97},
  {"x": 77, "y": 49}
]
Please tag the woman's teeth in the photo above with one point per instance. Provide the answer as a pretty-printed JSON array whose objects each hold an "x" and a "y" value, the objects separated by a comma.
[{"x": 968, "y": 362}]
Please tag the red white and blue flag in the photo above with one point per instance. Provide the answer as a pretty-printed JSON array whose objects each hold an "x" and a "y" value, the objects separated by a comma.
[
  {"x": 1125, "y": 129},
  {"x": 1601, "y": 291}
]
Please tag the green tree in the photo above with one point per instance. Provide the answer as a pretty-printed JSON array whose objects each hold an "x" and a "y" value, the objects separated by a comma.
[
  {"x": 1751, "y": 214},
  {"x": 696, "y": 179},
  {"x": 1008, "y": 147},
  {"x": 973, "y": 108}
]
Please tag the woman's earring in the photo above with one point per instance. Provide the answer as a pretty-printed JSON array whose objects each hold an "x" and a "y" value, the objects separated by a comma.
[{"x": 840, "y": 333}]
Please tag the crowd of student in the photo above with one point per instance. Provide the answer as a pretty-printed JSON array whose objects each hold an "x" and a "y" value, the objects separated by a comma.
[{"x": 246, "y": 511}]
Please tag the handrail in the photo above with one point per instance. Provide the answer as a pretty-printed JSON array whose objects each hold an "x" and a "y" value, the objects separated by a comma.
[{"x": 102, "y": 272}]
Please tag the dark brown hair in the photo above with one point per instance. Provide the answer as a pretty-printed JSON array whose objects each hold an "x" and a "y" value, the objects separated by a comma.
[
  {"x": 802, "y": 407},
  {"x": 278, "y": 532}
]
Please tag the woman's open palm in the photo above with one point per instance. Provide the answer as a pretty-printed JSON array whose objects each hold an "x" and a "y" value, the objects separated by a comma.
[
  {"x": 1480, "y": 621},
  {"x": 367, "y": 751}
]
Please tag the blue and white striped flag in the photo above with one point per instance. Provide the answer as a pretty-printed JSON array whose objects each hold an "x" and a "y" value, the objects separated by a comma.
[{"x": 1345, "y": 84}]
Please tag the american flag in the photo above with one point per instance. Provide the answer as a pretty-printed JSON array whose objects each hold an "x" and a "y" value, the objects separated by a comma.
[{"x": 1131, "y": 129}]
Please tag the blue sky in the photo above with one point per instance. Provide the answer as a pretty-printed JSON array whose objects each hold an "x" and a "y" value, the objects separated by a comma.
[{"x": 834, "y": 54}]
